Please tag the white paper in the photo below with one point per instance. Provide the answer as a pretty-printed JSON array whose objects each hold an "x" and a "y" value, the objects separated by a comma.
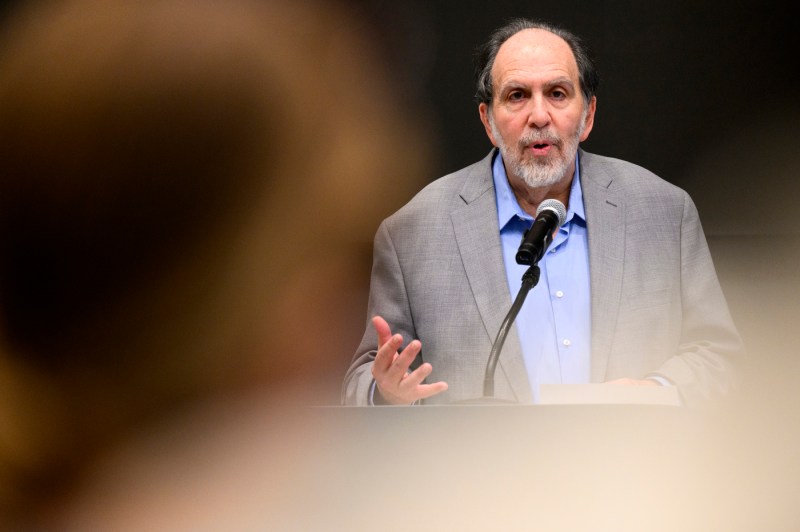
[{"x": 608, "y": 394}]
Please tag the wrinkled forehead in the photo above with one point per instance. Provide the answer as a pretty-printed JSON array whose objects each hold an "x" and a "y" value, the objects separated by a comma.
[{"x": 534, "y": 51}]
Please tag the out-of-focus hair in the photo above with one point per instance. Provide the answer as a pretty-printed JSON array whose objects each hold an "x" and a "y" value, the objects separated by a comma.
[{"x": 181, "y": 182}]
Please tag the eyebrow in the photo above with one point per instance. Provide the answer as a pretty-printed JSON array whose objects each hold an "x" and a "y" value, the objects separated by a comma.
[
  {"x": 514, "y": 84},
  {"x": 560, "y": 81}
]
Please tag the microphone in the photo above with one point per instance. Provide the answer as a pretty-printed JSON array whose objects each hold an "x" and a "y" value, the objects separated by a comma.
[{"x": 549, "y": 216}]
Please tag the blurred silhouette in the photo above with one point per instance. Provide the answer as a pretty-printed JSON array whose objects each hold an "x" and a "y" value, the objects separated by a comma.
[{"x": 189, "y": 192}]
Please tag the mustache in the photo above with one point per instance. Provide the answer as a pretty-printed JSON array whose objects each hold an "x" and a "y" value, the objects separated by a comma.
[{"x": 538, "y": 137}]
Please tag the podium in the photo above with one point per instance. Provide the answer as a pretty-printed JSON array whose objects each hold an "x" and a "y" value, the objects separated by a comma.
[{"x": 517, "y": 467}]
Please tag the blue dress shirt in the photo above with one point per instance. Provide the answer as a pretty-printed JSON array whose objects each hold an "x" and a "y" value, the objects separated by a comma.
[{"x": 554, "y": 324}]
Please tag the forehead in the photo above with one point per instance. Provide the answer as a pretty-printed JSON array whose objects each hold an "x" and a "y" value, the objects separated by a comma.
[{"x": 534, "y": 52}]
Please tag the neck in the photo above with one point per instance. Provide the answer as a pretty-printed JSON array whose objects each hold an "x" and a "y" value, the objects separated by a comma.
[{"x": 529, "y": 198}]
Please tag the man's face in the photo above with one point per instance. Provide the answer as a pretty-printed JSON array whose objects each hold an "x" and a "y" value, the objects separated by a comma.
[{"x": 538, "y": 115}]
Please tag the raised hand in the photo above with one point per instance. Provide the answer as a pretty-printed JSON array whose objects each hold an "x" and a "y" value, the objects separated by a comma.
[{"x": 390, "y": 370}]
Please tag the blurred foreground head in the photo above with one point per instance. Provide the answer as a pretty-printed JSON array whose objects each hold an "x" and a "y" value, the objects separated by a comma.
[{"x": 184, "y": 183}]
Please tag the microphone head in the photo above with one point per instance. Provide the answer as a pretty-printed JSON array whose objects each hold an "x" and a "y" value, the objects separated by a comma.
[{"x": 555, "y": 206}]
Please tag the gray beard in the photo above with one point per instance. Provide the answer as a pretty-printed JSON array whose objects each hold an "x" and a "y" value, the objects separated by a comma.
[{"x": 538, "y": 174}]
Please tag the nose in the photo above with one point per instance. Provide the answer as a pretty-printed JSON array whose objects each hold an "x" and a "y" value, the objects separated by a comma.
[{"x": 538, "y": 113}]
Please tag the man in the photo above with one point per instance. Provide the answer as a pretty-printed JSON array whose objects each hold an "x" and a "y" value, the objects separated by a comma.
[{"x": 628, "y": 291}]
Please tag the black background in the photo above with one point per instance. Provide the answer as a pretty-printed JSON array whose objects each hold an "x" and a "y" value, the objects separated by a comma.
[{"x": 704, "y": 94}]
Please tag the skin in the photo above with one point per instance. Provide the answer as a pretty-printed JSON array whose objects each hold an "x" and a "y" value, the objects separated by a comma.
[
  {"x": 536, "y": 87},
  {"x": 390, "y": 369}
]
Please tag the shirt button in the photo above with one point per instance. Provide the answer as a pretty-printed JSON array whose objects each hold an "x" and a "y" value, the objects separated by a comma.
[
  {"x": 566, "y": 342},
  {"x": 559, "y": 294}
]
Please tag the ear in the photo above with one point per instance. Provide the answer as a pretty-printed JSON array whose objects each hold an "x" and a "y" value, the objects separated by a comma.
[
  {"x": 589, "y": 122},
  {"x": 483, "y": 109}
]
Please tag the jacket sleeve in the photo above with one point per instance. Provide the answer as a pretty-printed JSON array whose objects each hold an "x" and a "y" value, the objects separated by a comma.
[
  {"x": 710, "y": 353},
  {"x": 387, "y": 298}
]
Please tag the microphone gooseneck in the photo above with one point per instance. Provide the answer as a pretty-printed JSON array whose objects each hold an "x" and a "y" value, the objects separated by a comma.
[
  {"x": 549, "y": 216},
  {"x": 529, "y": 280}
]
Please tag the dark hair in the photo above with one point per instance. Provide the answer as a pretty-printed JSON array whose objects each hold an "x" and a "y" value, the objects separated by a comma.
[{"x": 486, "y": 53}]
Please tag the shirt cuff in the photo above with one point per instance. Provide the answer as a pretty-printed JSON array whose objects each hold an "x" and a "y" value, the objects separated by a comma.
[
  {"x": 371, "y": 398},
  {"x": 663, "y": 381},
  {"x": 375, "y": 398}
]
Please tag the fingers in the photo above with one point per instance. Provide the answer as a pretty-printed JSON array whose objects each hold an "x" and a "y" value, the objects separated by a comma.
[
  {"x": 416, "y": 377},
  {"x": 387, "y": 353},
  {"x": 387, "y": 344},
  {"x": 413, "y": 381},
  {"x": 391, "y": 368},
  {"x": 411, "y": 385},
  {"x": 387, "y": 358},
  {"x": 383, "y": 330},
  {"x": 398, "y": 369},
  {"x": 623, "y": 382},
  {"x": 429, "y": 390}
]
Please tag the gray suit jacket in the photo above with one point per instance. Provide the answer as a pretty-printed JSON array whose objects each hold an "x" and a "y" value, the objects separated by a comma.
[{"x": 657, "y": 307}]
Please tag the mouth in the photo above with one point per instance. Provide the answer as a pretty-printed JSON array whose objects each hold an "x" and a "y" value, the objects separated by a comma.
[{"x": 540, "y": 148}]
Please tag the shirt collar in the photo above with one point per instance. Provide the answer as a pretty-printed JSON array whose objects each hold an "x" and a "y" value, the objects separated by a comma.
[{"x": 508, "y": 207}]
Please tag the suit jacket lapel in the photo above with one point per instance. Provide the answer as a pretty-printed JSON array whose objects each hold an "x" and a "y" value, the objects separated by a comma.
[
  {"x": 605, "y": 221},
  {"x": 478, "y": 240}
]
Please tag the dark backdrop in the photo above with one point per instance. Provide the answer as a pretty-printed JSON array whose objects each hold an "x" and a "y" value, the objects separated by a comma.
[{"x": 702, "y": 93}]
